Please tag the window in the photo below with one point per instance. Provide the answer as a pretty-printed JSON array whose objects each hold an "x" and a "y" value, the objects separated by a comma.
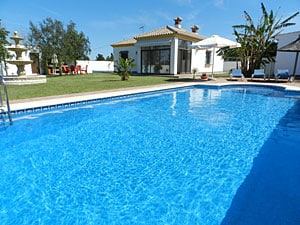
[
  {"x": 124, "y": 54},
  {"x": 208, "y": 57},
  {"x": 155, "y": 60}
]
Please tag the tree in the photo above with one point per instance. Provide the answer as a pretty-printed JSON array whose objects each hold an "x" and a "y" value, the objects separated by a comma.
[
  {"x": 48, "y": 38},
  {"x": 3, "y": 50},
  {"x": 110, "y": 58},
  {"x": 124, "y": 67},
  {"x": 75, "y": 45},
  {"x": 257, "y": 41},
  {"x": 100, "y": 57},
  {"x": 51, "y": 38}
]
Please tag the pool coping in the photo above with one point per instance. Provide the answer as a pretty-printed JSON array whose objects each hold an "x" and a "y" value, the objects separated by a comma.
[{"x": 51, "y": 101}]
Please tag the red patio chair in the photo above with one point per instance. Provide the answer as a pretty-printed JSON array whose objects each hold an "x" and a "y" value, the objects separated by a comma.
[
  {"x": 73, "y": 70},
  {"x": 78, "y": 68},
  {"x": 84, "y": 69},
  {"x": 65, "y": 69}
]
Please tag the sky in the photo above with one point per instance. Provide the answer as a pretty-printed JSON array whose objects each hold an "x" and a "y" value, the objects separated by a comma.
[{"x": 107, "y": 22}]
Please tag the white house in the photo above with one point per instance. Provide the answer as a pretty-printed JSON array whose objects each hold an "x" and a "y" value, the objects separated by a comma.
[
  {"x": 168, "y": 51},
  {"x": 286, "y": 60}
]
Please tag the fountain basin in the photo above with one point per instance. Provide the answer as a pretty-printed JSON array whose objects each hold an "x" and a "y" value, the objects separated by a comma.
[
  {"x": 19, "y": 62},
  {"x": 20, "y": 65},
  {"x": 25, "y": 79},
  {"x": 17, "y": 49}
]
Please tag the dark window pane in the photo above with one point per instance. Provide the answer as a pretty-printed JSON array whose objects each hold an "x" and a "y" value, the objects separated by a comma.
[{"x": 155, "y": 60}]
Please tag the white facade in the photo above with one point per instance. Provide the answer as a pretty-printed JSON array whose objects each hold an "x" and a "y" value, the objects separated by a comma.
[
  {"x": 132, "y": 53},
  {"x": 286, "y": 60},
  {"x": 199, "y": 61},
  {"x": 198, "y": 56}
]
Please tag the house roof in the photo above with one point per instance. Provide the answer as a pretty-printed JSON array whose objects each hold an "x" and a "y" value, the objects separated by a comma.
[
  {"x": 168, "y": 31},
  {"x": 124, "y": 43}
]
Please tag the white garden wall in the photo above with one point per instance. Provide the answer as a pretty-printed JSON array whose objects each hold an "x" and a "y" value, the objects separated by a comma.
[{"x": 96, "y": 66}]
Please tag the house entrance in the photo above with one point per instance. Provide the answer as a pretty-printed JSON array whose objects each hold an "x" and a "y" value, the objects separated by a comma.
[{"x": 184, "y": 57}]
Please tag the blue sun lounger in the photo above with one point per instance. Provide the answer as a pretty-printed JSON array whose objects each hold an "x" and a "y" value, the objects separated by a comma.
[
  {"x": 283, "y": 74},
  {"x": 258, "y": 73},
  {"x": 236, "y": 73}
]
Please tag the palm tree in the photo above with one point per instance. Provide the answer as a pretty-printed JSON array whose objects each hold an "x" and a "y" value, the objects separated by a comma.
[
  {"x": 257, "y": 41},
  {"x": 124, "y": 67}
]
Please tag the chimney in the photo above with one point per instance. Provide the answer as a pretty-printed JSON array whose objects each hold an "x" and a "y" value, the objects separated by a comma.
[
  {"x": 195, "y": 28},
  {"x": 178, "y": 22}
]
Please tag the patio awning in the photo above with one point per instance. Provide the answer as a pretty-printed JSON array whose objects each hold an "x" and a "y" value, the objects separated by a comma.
[{"x": 291, "y": 47}]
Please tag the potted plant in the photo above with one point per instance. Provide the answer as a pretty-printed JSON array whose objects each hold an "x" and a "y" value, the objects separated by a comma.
[{"x": 204, "y": 76}]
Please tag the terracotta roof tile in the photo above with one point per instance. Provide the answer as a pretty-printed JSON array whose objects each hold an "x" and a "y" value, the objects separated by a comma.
[
  {"x": 130, "y": 41},
  {"x": 165, "y": 31},
  {"x": 169, "y": 30}
]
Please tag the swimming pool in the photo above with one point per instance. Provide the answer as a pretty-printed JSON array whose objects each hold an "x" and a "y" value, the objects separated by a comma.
[{"x": 182, "y": 156}]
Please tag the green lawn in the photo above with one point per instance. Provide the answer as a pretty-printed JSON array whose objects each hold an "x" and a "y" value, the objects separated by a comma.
[{"x": 68, "y": 84}]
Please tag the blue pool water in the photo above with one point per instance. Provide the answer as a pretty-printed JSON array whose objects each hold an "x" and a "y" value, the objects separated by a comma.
[{"x": 184, "y": 156}]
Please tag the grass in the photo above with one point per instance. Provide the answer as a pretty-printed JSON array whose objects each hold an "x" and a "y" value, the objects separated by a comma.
[{"x": 69, "y": 84}]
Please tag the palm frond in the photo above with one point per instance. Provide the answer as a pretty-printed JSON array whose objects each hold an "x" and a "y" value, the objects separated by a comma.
[
  {"x": 242, "y": 26},
  {"x": 264, "y": 11},
  {"x": 289, "y": 18},
  {"x": 248, "y": 19},
  {"x": 280, "y": 26}
]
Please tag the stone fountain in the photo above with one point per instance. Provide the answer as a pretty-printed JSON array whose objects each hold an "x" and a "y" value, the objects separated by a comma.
[
  {"x": 18, "y": 49},
  {"x": 22, "y": 77}
]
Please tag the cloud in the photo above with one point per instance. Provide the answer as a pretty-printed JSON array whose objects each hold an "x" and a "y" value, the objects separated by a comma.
[{"x": 52, "y": 12}]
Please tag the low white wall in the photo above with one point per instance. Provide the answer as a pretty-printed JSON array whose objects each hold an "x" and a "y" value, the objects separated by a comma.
[
  {"x": 228, "y": 65},
  {"x": 96, "y": 66}
]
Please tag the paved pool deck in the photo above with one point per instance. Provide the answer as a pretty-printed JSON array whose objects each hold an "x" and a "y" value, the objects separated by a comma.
[{"x": 24, "y": 104}]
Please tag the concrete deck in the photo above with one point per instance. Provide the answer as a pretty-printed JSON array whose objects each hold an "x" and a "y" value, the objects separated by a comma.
[{"x": 63, "y": 99}]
